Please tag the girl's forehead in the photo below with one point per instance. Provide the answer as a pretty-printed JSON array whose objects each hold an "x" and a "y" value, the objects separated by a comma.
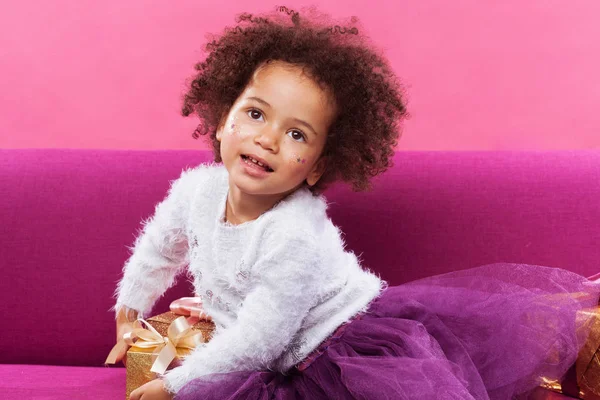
[{"x": 280, "y": 77}]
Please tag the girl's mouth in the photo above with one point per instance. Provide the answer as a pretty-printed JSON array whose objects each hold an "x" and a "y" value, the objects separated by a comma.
[{"x": 255, "y": 163}]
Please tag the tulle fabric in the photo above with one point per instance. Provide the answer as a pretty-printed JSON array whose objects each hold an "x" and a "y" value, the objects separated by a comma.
[{"x": 489, "y": 332}]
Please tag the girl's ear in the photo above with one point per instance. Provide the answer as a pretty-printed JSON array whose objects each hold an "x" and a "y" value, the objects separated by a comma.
[
  {"x": 220, "y": 130},
  {"x": 221, "y": 126},
  {"x": 317, "y": 171}
]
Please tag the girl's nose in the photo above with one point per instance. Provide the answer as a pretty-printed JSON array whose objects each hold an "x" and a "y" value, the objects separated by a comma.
[{"x": 268, "y": 138}]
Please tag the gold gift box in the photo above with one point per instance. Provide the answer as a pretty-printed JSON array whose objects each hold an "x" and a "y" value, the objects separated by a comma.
[
  {"x": 588, "y": 360},
  {"x": 161, "y": 323},
  {"x": 584, "y": 383},
  {"x": 140, "y": 360}
]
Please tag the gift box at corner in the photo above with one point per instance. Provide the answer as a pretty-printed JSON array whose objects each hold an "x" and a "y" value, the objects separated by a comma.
[
  {"x": 583, "y": 379},
  {"x": 140, "y": 360},
  {"x": 587, "y": 366}
]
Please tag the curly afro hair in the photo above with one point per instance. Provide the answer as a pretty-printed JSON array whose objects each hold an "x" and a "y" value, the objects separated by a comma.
[{"x": 361, "y": 140}]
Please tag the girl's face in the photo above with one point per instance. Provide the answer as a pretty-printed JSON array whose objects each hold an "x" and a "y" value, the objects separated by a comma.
[{"x": 280, "y": 120}]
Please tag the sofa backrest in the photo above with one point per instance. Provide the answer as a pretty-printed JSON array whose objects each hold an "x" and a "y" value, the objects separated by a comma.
[{"x": 68, "y": 216}]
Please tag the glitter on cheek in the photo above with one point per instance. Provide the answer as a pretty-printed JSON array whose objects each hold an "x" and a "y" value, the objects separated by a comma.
[
  {"x": 234, "y": 127},
  {"x": 296, "y": 159},
  {"x": 233, "y": 130}
]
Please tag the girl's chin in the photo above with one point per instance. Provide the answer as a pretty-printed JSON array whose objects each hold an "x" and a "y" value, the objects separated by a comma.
[{"x": 251, "y": 187}]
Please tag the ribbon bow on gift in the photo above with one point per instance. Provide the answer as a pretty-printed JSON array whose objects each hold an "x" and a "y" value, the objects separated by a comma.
[{"x": 180, "y": 336}]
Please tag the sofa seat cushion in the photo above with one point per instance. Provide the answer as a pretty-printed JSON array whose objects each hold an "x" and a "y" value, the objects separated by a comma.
[{"x": 45, "y": 382}]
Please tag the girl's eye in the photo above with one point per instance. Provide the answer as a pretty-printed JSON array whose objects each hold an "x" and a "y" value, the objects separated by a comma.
[
  {"x": 297, "y": 136},
  {"x": 254, "y": 114}
]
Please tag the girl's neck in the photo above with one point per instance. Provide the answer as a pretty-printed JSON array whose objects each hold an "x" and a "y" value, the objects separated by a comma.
[{"x": 242, "y": 207}]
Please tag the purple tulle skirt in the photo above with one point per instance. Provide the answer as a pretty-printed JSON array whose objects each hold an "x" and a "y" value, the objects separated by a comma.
[{"x": 490, "y": 332}]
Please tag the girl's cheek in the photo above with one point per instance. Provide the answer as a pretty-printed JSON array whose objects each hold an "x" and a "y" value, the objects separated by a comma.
[
  {"x": 297, "y": 160},
  {"x": 237, "y": 129},
  {"x": 234, "y": 127}
]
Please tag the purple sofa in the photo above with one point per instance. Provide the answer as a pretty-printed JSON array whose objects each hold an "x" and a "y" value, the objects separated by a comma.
[{"x": 67, "y": 217}]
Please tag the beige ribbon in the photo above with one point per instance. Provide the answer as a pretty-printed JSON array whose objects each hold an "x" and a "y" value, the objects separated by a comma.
[{"x": 180, "y": 335}]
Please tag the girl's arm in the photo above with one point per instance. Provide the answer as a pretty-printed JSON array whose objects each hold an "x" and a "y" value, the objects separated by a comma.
[
  {"x": 270, "y": 316},
  {"x": 160, "y": 250}
]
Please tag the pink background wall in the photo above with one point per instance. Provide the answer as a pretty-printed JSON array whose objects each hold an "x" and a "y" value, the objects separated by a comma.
[{"x": 481, "y": 75}]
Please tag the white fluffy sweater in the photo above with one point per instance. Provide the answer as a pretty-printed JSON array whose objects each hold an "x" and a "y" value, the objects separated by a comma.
[{"x": 276, "y": 287}]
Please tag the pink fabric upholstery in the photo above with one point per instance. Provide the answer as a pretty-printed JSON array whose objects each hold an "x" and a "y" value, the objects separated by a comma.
[
  {"x": 67, "y": 217},
  {"x": 43, "y": 382}
]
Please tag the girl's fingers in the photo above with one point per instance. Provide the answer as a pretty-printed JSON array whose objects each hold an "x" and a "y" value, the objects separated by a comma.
[
  {"x": 123, "y": 357},
  {"x": 135, "y": 395}
]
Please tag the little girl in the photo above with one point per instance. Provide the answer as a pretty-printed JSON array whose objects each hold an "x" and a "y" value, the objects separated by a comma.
[{"x": 291, "y": 107}]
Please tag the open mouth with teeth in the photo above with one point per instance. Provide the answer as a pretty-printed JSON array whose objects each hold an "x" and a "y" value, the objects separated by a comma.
[{"x": 249, "y": 160}]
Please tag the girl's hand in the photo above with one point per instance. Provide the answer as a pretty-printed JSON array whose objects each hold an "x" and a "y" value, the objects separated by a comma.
[
  {"x": 153, "y": 390},
  {"x": 125, "y": 319}
]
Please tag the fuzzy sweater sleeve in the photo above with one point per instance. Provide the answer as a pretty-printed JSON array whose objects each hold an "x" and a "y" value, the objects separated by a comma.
[
  {"x": 160, "y": 250},
  {"x": 270, "y": 315}
]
